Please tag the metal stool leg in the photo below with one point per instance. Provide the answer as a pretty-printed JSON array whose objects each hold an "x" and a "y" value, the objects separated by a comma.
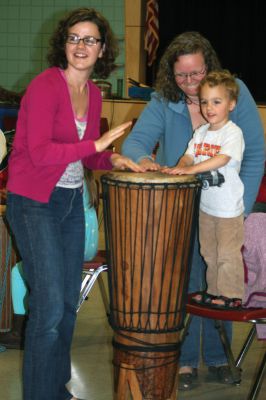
[
  {"x": 104, "y": 294},
  {"x": 186, "y": 327},
  {"x": 88, "y": 282},
  {"x": 236, "y": 372},
  {"x": 246, "y": 346},
  {"x": 257, "y": 384}
]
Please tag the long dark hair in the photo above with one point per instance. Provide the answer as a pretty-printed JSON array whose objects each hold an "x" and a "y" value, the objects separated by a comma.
[
  {"x": 185, "y": 43},
  {"x": 57, "y": 57}
]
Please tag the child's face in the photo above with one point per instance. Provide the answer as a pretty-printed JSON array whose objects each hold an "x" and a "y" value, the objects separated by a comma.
[{"x": 216, "y": 105}]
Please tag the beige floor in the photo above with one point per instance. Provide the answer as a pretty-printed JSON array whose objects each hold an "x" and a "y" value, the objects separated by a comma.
[{"x": 92, "y": 362}]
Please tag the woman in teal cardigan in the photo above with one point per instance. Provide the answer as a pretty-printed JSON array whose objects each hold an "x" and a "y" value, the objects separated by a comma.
[{"x": 169, "y": 120}]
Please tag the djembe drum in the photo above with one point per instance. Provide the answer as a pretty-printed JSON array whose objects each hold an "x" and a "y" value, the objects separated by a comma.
[{"x": 149, "y": 229}]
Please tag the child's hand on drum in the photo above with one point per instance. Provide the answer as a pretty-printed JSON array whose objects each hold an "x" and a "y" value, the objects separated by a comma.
[
  {"x": 178, "y": 170},
  {"x": 122, "y": 162},
  {"x": 184, "y": 166},
  {"x": 108, "y": 137}
]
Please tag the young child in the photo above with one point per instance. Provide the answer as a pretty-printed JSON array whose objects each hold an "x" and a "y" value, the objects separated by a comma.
[{"x": 219, "y": 145}]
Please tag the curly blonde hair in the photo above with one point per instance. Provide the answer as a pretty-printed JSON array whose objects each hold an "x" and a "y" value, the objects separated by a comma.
[{"x": 223, "y": 78}]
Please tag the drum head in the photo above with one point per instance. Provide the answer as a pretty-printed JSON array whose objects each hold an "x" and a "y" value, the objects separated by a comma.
[{"x": 149, "y": 177}]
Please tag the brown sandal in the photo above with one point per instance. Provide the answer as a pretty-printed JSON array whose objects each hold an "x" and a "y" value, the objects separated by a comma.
[
  {"x": 226, "y": 303},
  {"x": 203, "y": 298}
]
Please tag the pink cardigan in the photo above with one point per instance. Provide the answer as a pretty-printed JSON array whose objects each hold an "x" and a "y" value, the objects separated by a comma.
[{"x": 46, "y": 138}]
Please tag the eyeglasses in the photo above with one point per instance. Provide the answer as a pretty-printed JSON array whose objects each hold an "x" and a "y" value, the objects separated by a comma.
[
  {"x": 87, "y": 40},
  {"x": 181, "y": 77}
]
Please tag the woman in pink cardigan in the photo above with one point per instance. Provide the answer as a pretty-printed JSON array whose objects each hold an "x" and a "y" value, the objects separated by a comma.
[{"x": 57, "y": 135}]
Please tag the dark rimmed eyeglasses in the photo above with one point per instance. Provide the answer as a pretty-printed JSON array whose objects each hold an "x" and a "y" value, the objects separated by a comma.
[{"x": 87, "y": 40}]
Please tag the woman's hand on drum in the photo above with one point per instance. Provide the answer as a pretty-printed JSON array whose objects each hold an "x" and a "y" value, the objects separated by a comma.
[
  {"x": 121, "y": 162},
  {"x": 149, "y": 165},
  {"x": 108, "y": 137}
]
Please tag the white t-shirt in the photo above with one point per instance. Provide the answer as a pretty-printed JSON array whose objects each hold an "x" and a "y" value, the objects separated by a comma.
[{"x": 225, "y": 201}]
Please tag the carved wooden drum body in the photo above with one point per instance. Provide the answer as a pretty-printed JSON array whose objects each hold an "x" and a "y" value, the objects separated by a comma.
[{"x": 149, "y": 227}]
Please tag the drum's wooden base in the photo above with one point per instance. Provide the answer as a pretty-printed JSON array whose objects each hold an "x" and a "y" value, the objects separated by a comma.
[
  {"x": 132, "y": 385},
  {"x": 128, "y": 386},
  {"x": 147, "y": 375}
]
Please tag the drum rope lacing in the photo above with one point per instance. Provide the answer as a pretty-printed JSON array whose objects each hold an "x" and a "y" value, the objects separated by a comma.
[{"x": 145, "y": 346}]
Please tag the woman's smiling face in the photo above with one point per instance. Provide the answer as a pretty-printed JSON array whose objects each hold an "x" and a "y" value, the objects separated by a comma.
[
  {"x": 189, "y": 70},
  {"x": 82, "y": 56}
]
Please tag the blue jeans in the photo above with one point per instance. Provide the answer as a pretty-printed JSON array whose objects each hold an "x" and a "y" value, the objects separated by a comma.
[
  {"x": 202, "y": 330},
  {"x": 50, "y": 239}
]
